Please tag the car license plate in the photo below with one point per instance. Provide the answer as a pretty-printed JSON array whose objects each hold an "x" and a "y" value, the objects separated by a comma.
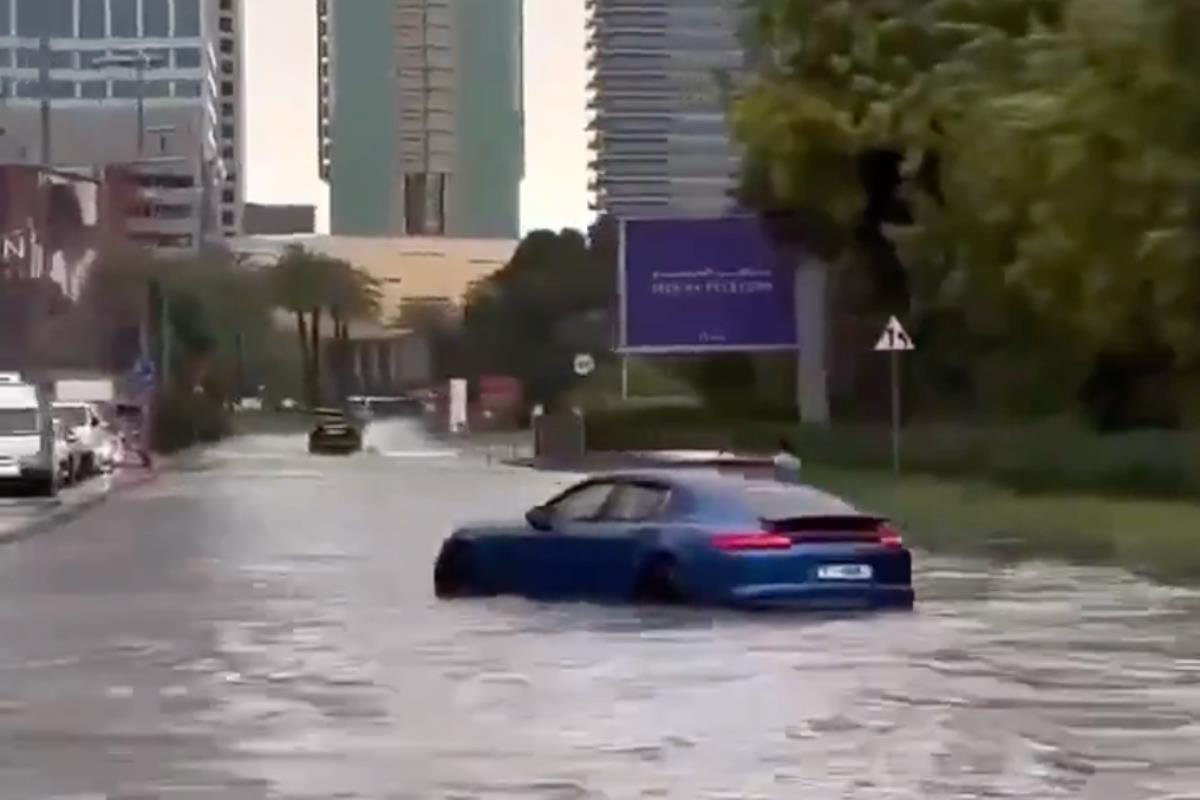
[{"x": 845, "y": 572}]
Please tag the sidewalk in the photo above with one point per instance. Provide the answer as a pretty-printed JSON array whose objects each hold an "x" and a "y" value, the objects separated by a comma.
[{"x": 23, "y": 517}]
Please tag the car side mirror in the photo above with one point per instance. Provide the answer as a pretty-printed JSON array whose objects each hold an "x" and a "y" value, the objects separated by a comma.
[{"x": 540, "y": 518}]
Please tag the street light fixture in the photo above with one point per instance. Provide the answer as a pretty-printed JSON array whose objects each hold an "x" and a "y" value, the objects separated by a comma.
[{"x": 139, "y": 62}]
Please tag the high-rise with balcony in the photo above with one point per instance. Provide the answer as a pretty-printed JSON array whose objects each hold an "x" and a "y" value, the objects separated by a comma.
[
  {"x": 420, "y": 118},
  {"x": 662, "y": 71},
  {"x": 74, "y": 74}
]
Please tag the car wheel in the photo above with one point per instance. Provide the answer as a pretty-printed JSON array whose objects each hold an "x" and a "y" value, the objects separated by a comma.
[
  {"x": 47, "y": 487},
  {"x": 658, "y": 582},
  {"x": 452, "y": 571}
]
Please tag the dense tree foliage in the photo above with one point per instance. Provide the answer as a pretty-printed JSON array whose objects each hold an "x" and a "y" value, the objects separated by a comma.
[
  {"x": 1022, "y": 175},
  {"x": 310, "y": 286},
  {"x": 551, "y": 301}
]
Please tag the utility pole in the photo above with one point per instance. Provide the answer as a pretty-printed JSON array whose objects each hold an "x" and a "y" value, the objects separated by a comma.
[{"x": 46, "y": 154}]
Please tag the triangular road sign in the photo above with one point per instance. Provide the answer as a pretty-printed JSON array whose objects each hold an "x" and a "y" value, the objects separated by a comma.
[{"x": 894, "y": 338}]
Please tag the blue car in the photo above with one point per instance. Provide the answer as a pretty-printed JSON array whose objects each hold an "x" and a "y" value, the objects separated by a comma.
[{"x": 674, "y": 537}]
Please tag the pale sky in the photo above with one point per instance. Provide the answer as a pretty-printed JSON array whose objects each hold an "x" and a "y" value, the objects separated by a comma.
[{"x": 282, "y": 95}]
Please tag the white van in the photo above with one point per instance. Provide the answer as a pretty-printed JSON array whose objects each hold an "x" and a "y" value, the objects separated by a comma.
[{"x": 27, "y": 448}]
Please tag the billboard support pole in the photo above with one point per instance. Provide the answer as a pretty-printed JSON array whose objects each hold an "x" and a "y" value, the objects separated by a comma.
[
  {"x": 622, "y": 321},
  {"x": 811, "y": 289}
]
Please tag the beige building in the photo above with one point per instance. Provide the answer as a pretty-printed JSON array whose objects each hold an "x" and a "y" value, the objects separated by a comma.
[
  {"x": 410, "y": 269},
  {"x": 421, "y": 272}
]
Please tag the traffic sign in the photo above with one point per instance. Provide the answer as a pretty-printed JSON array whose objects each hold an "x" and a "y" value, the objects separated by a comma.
[
  {"x": 585, "y": 364},
  {"x": 894, "y": 339},
  {"x": 144, "y": 374}
]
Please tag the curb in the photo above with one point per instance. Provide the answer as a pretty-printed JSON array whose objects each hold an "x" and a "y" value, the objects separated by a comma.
[{"x": 63, "y": 515}]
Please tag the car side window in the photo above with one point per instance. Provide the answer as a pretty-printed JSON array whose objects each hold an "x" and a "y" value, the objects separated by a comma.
[
  {"x": 636, "y": 502},
  {"x": 582, "y": 504}
]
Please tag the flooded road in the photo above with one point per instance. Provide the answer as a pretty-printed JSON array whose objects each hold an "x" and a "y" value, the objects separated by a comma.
[{"x": 262, "y": 625}]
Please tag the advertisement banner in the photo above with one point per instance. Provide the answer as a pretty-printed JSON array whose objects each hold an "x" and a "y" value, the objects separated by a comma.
[
  {"x": 702, "y": 285},
  {"x": 68, "y": 204}
]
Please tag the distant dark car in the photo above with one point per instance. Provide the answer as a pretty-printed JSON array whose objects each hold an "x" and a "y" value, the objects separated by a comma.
[
  {"x": 671, "y": 537},
  {"x": 333, "y": 432}
]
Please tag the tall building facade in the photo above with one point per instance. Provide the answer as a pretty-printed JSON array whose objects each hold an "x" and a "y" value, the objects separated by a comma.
[
  {"x": 421, "y": 123},
  {"x": 156, "y": 84},
  {"x": 662, "y": 73}
]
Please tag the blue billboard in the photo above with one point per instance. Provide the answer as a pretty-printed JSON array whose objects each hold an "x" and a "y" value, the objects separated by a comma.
[{"x": 698, "y": 285}]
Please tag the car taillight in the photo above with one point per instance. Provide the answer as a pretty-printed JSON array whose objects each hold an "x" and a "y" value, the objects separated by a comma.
[
  {"x": 889, "y": 536},
  {"x": 759, "y": 540}
]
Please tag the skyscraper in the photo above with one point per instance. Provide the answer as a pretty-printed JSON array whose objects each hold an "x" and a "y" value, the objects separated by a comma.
[
  {"x": 661, "y": 73},
  {"x": 421, "y": 118},
  {"x": 152, "y": 82}
]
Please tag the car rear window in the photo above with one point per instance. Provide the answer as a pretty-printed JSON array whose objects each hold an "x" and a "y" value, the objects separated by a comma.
[
  {"x": 771, "y": 501},
  {"x": 75, "y": 416}
]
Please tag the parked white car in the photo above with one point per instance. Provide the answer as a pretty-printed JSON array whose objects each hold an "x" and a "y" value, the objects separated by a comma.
[
  {"x": 95, "y": 444},
  {"x": 28, "y": 453}
]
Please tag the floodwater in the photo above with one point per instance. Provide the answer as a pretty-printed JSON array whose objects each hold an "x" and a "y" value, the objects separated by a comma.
[{"x": 262, "y": 625}]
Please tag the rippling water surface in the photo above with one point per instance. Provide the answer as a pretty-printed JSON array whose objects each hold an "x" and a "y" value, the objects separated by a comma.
[{"x": 281, "y": 641}]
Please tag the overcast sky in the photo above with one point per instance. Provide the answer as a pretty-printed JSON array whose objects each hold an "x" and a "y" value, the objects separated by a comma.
[{"x": 281, "y": 109}]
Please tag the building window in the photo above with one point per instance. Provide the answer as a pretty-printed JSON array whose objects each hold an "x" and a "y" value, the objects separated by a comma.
[
  {"x": 156, "y": 18},
  {"x": 158, "y": 88},
  {"x": 227, "y": 88},
  {"x": 124, "y": 18},
  {"x": 227, "y": 109},
  {"x": 227, "y": 153},
  {"x": 126, "y": 89},
  {"x": 45, "y": 18},
  {"x": 5, "y": 9},
  {"x": 424, "y": 204},
  {"x": 62, "y": 89},
  {"x": 228, "y": 196},
  {"x": 187, "y": 18},
  {"x": 227, "y": 67},
  {"x": 227, "y": 46},
  {"x": 227, "y": 218},
  {"x": 227, "y": 5},
  {"x": 5, "y": 56},
  {"x": 227, "y": 131},
  {"x": 188, "y": 57},
  {"x": 226, "y": 24},
  {"x": 92, "y": 19},
  {"x": 188, "y": 88},
  {"x": 93, "y": 90}
]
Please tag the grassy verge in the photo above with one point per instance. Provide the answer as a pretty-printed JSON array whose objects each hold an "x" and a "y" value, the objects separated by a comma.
[
  {"x": 1038, "y": 457},
  {"x": 1156, "y": 538}
]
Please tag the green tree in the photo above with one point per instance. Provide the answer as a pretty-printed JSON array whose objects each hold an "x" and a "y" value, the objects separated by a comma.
[
  {"x": 550, "y": 301},
  {"x": 1033, "y": 161},
  {"x": 309, "y": 285}
]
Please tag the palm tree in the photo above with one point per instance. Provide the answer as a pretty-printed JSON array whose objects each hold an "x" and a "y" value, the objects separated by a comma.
[
  {"x": 296, "y": 280},
  {"x": 308, "y": 284},
  {"x": 354, "y": 295}
]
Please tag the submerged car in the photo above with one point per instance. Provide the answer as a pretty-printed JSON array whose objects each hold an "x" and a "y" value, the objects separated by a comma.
[
  {"x": 706, "y": 539},
  {"x": 334, "y": 432}
]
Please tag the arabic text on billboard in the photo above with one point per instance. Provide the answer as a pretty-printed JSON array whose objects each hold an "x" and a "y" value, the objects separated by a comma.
[{"x": 693, "y": 285}]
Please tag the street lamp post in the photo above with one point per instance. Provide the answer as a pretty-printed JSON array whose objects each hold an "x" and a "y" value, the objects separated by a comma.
[{"x": 139, "y": 62}]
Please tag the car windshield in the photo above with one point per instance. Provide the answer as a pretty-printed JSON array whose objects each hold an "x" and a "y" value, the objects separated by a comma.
[
  {"x": 74, "y": 416},
  {"x": 779, "y": 501},
  {"x": 18, "y": 421}
]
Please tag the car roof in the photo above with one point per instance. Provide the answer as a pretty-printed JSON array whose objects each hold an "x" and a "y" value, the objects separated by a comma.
[{"x": 758, "y": 497}]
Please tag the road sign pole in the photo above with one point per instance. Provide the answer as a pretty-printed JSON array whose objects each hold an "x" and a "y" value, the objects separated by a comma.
[
  {"x": 895, "y": 340},
  {"x": 894, "y": 357}
]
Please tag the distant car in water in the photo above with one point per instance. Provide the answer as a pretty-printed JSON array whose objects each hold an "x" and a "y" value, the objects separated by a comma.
[
  {"x": 334, "y": 432},
  {"x": 677, "y": 537}
]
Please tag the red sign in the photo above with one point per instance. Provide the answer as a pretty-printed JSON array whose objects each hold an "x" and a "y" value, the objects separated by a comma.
[{"x": 499, "y": 392}]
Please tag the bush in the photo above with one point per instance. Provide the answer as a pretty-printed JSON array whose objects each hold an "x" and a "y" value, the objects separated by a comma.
[
  {"x": 183, "y": 419},
  {"x": 1037, "y": 457}
]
